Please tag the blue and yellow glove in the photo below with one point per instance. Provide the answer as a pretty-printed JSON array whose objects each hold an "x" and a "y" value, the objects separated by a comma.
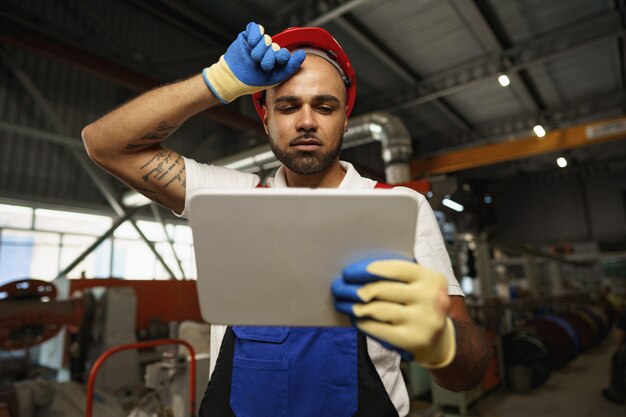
[
  {"x": 251, "y": 63},
  {"x": 402, "y": 305}
]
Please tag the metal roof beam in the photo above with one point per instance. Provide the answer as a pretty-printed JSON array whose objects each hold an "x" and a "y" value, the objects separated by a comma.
[
  {"x": 620, "y": 52},
  {"x": 566, "y": 114},
  {"x": 187, "y": 20},
  {"x": 25, "y": 35},
  {"x": 336, "y": 12},
  {"x": 556, "y": 140},
  {"x": 55, "y": 138},
  {"x": 474, "y": 10},
  {"x": 397, "y": 67},
  {"x": 535, "y": 52},
  {"x": 393, "y": 63},
  {"x": 91, "y": 20},
  {"x": 569, "y": 113}
]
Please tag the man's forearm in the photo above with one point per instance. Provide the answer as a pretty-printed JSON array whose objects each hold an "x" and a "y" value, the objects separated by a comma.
[
  {"x": 148, "y": 119},
  {"x": 468, "y": 367}
]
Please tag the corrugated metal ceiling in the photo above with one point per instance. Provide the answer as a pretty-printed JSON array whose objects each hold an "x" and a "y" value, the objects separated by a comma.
[{"x": 393, "y": 44}]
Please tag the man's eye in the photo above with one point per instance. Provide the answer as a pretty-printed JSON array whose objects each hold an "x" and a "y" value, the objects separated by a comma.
[
  {"x": 287, "y": 109},
  {"x": 325, "y": 109}
]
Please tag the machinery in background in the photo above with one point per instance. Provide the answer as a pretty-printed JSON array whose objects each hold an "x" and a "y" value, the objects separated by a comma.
[
  {"x": 31, "y": 313},
  {"x": 540, "y": 310},
  {"x": 48, "y": 347}
]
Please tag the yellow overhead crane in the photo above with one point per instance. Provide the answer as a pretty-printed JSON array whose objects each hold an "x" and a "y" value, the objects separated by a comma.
[{"x": 554, "y": 141}]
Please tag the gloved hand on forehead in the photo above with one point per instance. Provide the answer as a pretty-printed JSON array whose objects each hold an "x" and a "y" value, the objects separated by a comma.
[
  {"x": 251, "y": 63},
  {"x": 401, "y": 304}
]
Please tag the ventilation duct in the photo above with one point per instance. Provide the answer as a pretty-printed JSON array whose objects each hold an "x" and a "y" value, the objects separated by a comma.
[{"x": 383, "y": 127}]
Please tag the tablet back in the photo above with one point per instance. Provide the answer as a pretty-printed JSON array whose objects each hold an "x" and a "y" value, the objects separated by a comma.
[{"x": 268, "y": 256}]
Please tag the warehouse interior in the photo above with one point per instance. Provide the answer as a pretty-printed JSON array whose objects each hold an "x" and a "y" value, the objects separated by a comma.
[{"x": 507, "y": 115}]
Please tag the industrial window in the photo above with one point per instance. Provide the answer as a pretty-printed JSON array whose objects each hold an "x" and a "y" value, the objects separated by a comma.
[{"x": 39, "y": 243}]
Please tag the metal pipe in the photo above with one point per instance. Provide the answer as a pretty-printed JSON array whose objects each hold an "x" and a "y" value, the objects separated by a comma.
[
  {"x": 93, "y": 374},
  {"x": 327, "y": 17},
  {"x": 395, "y": 140}
]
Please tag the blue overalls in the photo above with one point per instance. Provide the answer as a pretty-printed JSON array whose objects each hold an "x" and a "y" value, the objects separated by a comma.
[{"x": 295, "y": 372}]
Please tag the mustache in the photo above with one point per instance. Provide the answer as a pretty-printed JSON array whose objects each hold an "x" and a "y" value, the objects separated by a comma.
[{"x": 306, "y": 136}]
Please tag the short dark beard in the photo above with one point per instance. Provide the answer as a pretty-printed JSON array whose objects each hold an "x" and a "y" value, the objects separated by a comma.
[{"x": 306, "y": 163}]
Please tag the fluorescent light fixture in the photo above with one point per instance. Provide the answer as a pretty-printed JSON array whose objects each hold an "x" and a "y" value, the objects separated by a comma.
[
  {"x": 452, "y": 204},
  {"x": 562, "y": 162},
  {"x": 539, "y": 131},
  {"x": 15, "y": 209},
  {"x": 504, "y": 80}
]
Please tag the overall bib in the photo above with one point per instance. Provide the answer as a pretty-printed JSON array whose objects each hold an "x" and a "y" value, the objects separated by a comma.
[{"x": 295, "y": 372}]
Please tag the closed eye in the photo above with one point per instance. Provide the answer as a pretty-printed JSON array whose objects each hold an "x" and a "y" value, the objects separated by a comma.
[
  {"x": 287, "y": 109},
  {"x": 325, "y": 109}
]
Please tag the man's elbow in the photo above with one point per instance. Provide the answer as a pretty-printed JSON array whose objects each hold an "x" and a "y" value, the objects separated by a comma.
[{"x": 93, "y": 145}]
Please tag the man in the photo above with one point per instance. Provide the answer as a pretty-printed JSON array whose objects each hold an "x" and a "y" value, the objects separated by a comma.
[{"x": 403, "y": 307}]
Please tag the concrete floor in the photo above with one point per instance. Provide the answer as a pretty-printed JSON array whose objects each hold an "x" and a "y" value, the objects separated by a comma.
[{"x": 573, "y": 391}]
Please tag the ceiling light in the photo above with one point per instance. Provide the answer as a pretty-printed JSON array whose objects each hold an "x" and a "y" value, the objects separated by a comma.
[
  {"x": 452, "y": 204},
  {"x": 562, "y": 162},
  {"x": 488, "y": 199},
  {"x": 539, "y": 131},
  {"x": 504, "y": 80}
]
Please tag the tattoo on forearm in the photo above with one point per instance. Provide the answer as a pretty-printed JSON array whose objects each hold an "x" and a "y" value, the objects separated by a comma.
[
  {"x": 163, "y": 164},
  {"x": 178, "y": 178},
  {"x": 161, "y": 131}
]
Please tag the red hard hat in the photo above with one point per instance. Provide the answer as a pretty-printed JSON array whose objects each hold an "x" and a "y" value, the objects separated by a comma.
[{"x": 316, "y": 38}]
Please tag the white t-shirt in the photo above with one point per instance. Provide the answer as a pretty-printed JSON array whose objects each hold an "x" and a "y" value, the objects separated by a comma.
[{"x": 429, "y": 250}]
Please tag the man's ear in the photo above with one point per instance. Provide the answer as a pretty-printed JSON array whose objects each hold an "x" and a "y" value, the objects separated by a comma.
[{"x": 264, "y": 107}]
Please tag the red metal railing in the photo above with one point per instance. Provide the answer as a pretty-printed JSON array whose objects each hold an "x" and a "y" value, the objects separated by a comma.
[{"x": 141, "y": 345}]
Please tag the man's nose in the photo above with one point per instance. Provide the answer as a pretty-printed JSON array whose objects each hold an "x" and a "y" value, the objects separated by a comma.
[{"x": 306, "y": 119}]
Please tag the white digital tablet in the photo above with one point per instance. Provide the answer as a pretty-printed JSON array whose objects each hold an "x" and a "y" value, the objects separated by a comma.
[{"x": 268, "y": 256}]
